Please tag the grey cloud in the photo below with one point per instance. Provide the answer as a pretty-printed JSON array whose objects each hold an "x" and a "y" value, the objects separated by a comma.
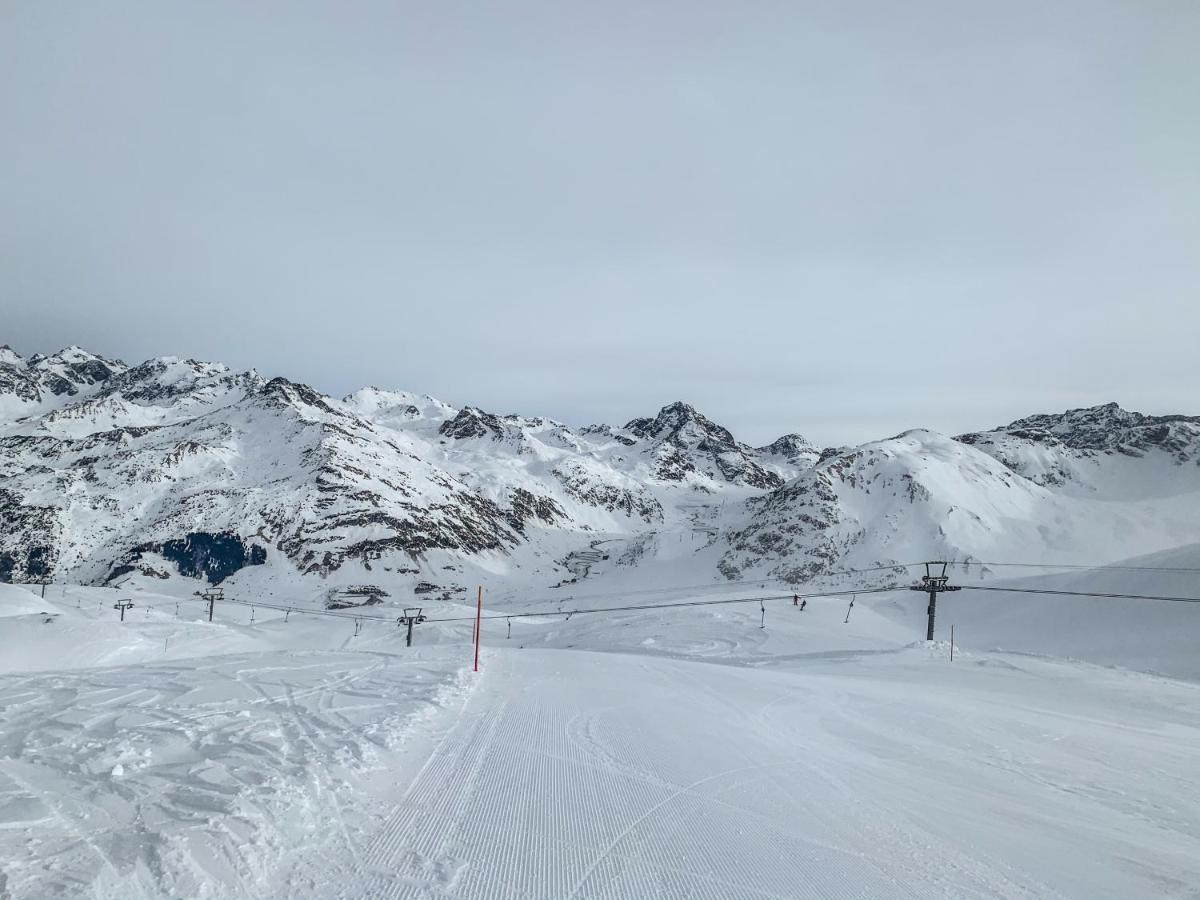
[{"x": 842, "y": 219}]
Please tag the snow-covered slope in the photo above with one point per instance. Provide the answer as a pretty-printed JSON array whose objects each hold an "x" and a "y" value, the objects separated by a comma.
[
  {"x": 1157, "y": 636},
  {"x": 923, "y": 495},
  {"x": 41, "y": 383},
  {"x": 185, "y": 469},
  {"x": 1103, "y": 452},
  {"x": 711, "y": 751}
]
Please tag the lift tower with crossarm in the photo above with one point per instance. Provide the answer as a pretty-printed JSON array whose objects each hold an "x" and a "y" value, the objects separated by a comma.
[
  {"x": 933, "y": 585},
  {"x": 412, "y": 616}
]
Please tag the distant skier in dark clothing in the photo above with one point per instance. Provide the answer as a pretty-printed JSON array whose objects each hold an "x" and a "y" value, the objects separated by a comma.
[
  {"x": 803, "y": 603},
  {"x": 795, "y": 599}
]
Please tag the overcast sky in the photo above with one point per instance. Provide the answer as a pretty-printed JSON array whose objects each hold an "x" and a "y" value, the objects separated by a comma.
[{"x": 844, "y": 219}]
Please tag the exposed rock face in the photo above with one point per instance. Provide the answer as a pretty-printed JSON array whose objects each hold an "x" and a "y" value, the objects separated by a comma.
[
  {"x": 42, "y": 382},
  {"x": 29, "y": 539},
  {"x": 1106, "y": 428},
  {"x": 212, "y": 557},
  {"x": 473, "y": 423},
  {"x": 997, "y": 497},
  {"x": 793, "y": 448},
  {"x": 1069, "y": 449},
  {"x": 170, "y": 443},
  {"x": 683, "y": 442},
  {"x": 527, "y": 506},
  {"x": 629, "y": 499}
]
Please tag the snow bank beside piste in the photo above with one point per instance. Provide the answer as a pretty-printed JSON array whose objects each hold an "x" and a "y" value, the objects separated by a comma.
[
  {"x": 208, "y": 777},
  {"x": 76, "y": 627},
  {"x": 19, "y": 601}
]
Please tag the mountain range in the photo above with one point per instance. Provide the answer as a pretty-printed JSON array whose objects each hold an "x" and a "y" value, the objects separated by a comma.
[{"x": 188, "y": 472}]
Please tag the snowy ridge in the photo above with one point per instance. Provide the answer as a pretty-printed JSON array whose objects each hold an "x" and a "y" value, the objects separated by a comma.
[
  {"x": 181, "y": 469},
  {"x": 1105, "y": 451}
]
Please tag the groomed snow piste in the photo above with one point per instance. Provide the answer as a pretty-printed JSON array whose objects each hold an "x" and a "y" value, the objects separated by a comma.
[{"x": 682, "y": 753}]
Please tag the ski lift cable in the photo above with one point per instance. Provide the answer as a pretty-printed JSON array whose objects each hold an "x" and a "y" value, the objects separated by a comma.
[
  {"x": 1116, "y": 566},
  {"x": 1091, "y": 594},
  {"x": 558, "y": 611},
  {"x": 675, "y": 605},
  {"x": 711, "y": 586}
]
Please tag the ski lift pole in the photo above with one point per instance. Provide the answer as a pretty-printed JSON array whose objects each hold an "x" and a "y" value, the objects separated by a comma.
[
  {"x": 933, "y": 585},
  {"x": 212, "y": 595},
  {"x": 478, "y": 623},
  {"x": 412, "y": 616}
]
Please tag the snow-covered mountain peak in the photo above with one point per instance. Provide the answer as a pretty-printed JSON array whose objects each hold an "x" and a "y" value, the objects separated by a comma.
[
  {"x": 106, "y": 470},
  {"x": 471, "y": 422},
  {"x": 682, "y": 425},
  {"x": 1109, "y": 427},
  {"x": 397, "y": 408},
  {"x": 1102, "y": 450},
  {"x": 788, "y": 445},
  {"x": 280, "y": 393},
  {"x": 686, "y": 446},
  {"x": 791, "y": 448},
  {"x": 40, "y": 383},
  {"x": 166, "y": 379},
  {"x": 76, "y": 365}
]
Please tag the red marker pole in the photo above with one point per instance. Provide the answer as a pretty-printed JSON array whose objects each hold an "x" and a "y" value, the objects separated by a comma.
[{"x": 478, "y": 621}]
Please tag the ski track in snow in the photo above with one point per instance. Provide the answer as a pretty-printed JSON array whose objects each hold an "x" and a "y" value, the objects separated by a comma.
[
  {"x": 577, "y": 775},
  {"x": 192, "y": 778},
  {"x": 630, "y": 757}
]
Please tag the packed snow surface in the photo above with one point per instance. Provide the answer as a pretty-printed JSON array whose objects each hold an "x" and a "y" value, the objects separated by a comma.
[{"x": 720, "y": 751}]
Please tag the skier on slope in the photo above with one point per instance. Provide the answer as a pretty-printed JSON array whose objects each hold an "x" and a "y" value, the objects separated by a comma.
[{"x": 803, "y": 603}]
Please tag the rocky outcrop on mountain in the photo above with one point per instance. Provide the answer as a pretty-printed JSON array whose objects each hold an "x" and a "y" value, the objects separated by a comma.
[
  {"x": 70, "y": 370},
  {"x": 788, "y": 456},
  {"x": 607, "y": 432},
  {"x": 684, "y": 442},
  {"x": 793, "y": 448},
  {"x": 213, "y": 557},
  {"x": 1106, "y": 428},
  {"x": 790, "y": 531},
  {"x": 922, "y": 495},
  {"x": 186, "y": 383},
  {"x": 1111, "y": 428},
  {"x": 1095, "y": 450},
  {"x": 624, "y": 497},
  {"x": 473, "y": 423},
  {"x": 29, "y": 540},
  {"x": 280, "y": 461},
  {"x": 526, "y": 506},
  {"x": 280, "y": 393},
  {"x": 42, "y": 382}
]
